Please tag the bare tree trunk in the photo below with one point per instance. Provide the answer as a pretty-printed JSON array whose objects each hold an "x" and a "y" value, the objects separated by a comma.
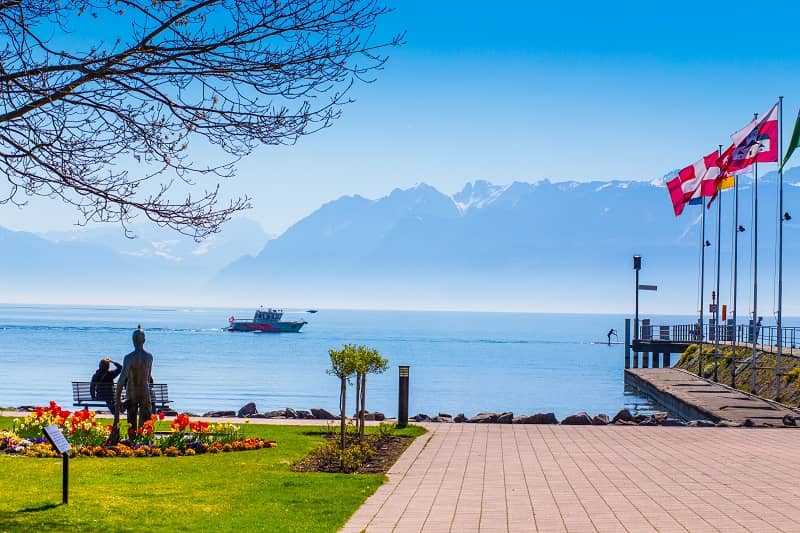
[{"x": 363, "y": 411}]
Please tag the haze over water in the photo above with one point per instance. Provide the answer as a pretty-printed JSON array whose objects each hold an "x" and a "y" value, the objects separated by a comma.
[{"x": 460, "y": 361}]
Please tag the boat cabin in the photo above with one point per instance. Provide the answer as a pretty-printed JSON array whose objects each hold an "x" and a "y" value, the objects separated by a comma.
[{"x": 268, "y": 316}]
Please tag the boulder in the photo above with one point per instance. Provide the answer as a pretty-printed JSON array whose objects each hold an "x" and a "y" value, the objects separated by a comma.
[
  {"x": 790, "y": 420},
  {"x": 505, "y": 418},
  {"x": 322, "y": 414},
  {"x": 600, "y": 420},
  {"x": 748, "y": 423},
  {"x": 460, "y": 418},
  {"x": 445, "y": 415},
  {"x": 625, "y": 423},
  {"x": 673, "y": 422},
  {"x": 701, "y": 424},
  {"x": 640, "y": 417},
  {"x": 543, "y": 418},
  {"x": 289, "y": 413},
  {"x": 660, "y": 416},
  {"x": 248, "y": 409},
  {"x": 578, "y": 419},
  {"x": 378, "y": 416},
  {"x": 728, "y": 424},
  {"x": 303, "y": 414},
  {"x": 258, "y": 415},
  {"x": 218, "y": 414},
  {"x": 483, "y": 418},
  {"x": 624, "y": 416},
  {"x": 649, "y": 421},
  {"x": 280, "y": 413},
  {"x": 421, "y": 417},
  {"x": 445, "y": 419}
]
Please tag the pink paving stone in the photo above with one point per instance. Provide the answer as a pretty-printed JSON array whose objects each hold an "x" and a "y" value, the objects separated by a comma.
[{"x": 548, "y": 478}]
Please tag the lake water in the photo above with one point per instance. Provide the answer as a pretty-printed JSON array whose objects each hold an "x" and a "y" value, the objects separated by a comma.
[{"x": 460, "y": 361}]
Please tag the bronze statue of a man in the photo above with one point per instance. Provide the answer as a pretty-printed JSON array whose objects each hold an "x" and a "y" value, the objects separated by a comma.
[{"x": 135, "y": 379}]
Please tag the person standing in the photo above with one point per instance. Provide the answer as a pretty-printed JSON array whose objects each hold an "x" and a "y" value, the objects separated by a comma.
[
  {"x": 758, "y": 330},
  {"x": 612, "y": 331},
  {"x": 135, "y": 378}
]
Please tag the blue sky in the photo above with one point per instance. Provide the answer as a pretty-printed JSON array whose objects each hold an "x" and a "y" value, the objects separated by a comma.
[{"x": 525, "y": 91}]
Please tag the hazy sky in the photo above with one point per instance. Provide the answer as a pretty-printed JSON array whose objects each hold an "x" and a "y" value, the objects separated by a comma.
[{"x": 528, "y": 90}]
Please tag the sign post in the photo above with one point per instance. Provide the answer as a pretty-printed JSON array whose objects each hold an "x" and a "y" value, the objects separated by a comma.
[{"x": 58, "y": 441}]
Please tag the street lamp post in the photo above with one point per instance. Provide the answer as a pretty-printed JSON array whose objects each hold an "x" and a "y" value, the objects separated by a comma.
[{"x": 637, "y": 266}]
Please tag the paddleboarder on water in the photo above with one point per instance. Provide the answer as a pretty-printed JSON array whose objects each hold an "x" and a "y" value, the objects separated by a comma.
[{"x": 612, "y": 331}]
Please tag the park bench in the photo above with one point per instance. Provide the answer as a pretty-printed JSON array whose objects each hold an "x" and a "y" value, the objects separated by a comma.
[{"x": 82, "y": 395}]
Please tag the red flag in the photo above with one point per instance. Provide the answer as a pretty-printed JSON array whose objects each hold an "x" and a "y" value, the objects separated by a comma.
[
  {"x": 756, "y": 142},
  {"x": 694, "y": 181}
]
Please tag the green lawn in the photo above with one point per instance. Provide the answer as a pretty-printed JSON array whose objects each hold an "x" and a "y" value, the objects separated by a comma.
[{"x": 243, "y": 491}]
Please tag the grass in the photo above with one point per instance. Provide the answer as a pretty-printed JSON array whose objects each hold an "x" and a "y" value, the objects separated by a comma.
[
  {"x": 244, "y": 491},
  {"x": 764, "y": 376}
]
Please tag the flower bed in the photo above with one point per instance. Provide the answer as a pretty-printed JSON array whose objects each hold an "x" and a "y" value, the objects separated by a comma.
[{"x": 89, "y": 438}]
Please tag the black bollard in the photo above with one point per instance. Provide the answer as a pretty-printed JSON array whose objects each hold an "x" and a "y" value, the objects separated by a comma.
[{"x": 402, "y": 398}]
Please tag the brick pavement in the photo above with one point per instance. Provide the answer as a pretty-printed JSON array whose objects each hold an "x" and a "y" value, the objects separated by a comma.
[{"x": 476, "y": 477}]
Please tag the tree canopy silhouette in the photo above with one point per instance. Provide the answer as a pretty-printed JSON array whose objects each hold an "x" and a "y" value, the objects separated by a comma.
[{"x": 113, "y": 105}]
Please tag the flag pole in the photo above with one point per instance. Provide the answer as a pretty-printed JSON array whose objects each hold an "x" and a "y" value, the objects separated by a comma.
[
  {"x": 702, "y": 287},
  {"x": 753, "y": 329},
  {"x": 780, "y": 253},
  {"x": 716, "y": 308},
  {"x": 735, "y": 274}
]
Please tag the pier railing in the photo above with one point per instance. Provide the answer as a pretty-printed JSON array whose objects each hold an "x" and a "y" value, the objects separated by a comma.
[{"x": 741, "y": 333}]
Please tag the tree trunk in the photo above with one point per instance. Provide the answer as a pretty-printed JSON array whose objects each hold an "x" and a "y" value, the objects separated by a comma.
[
  {"x": 363, "y": 410},
  {"x": 358, "y": 396},
  {"x": 343, "y": 409}
]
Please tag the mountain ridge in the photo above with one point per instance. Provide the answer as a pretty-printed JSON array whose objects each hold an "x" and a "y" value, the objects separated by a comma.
[{"x": 542, "y": 246}]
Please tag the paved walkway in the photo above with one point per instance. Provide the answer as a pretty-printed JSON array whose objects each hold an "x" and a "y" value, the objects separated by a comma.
[{"x": 475, "y": 477}]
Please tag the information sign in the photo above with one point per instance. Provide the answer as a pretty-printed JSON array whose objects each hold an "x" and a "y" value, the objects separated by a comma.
[{"x": 57, "y": 439}]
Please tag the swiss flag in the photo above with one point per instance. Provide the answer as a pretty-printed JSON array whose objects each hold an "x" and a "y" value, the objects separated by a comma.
[{"x": 694, "y": 181}]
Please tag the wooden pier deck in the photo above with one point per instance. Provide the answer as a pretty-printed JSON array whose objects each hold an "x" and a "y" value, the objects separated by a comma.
[{"x": 692, "y": 398}]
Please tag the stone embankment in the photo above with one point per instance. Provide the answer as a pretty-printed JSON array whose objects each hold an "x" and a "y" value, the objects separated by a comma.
[
  {"x": 622, "y": 418},
  {"x": 316, "y": 413}
]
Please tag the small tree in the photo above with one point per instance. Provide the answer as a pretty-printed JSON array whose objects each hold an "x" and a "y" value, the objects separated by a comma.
[
  {"x": 343, "y": 365},
  {"x": 367, "y": 361}
]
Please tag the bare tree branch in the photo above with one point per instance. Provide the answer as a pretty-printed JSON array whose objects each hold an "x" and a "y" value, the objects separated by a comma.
[{"x": 108, "y": 128}]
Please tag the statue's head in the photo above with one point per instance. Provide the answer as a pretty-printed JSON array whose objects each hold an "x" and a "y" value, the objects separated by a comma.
[{"x": 138, "y": 337}]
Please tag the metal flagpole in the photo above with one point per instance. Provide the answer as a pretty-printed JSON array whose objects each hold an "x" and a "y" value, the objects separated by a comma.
[
  {"x": 780, "y": 252},
  {"x": 735, "y": 274},
  {"x": 702, "y": 287},
  {"x": 754, "y": 330},
  {"x": 718, "y": 299}
]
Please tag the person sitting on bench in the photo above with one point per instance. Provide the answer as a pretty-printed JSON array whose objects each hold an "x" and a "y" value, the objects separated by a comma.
[{"x": 102, "y": 384}]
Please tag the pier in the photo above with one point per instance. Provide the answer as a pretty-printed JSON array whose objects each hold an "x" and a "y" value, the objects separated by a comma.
[
  {"x": 653, "y": 345},
  {"x": 694, "y": 398}
]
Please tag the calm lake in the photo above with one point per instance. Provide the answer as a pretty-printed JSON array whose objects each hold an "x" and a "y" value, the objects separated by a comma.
[{"x": 460, "y": 361}]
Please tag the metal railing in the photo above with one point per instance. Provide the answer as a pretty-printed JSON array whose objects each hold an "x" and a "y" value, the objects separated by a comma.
[{"x": 742, "y": 333}]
